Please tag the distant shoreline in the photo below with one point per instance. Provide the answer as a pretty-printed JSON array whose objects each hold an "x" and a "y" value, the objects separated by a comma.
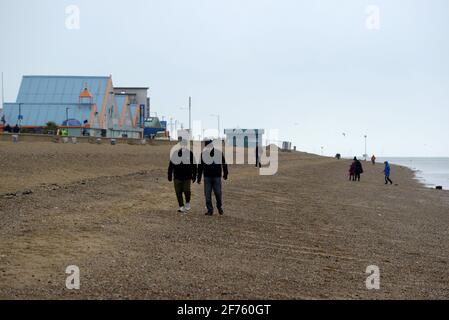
[{"x": 429, "y": 171}]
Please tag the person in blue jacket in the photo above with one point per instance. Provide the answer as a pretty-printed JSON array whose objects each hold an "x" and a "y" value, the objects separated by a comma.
[{"x": 387, "y": 172}]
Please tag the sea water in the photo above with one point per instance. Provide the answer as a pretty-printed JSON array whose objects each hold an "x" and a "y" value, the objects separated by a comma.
[{"x": 430, "y": 171}]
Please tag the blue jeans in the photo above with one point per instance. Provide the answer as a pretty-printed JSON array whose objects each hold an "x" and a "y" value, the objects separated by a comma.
[{"x": 212, "y": 184}]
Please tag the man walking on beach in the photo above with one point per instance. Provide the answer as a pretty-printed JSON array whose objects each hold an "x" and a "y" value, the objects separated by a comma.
[
  {"x": 258, "y": 156},
  {"x": 387, "y": 172},
  {"x": 184, "y": 169},
  {"x": 358, "y": 169},
  {"x": 213, "y": 166}
]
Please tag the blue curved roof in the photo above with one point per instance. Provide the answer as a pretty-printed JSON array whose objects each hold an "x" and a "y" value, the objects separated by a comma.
[
  {"x": 60, "y": 89},
  {"x": 52, "y": 98}
]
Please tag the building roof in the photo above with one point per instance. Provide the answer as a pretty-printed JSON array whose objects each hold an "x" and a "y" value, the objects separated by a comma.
[
  {"x": 55, "y": 98},
  {"x": 61, "y": 89}
]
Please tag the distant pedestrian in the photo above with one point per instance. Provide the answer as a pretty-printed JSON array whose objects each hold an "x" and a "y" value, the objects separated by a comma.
[
  {"x": 373, "y": 159},
  {"x": 16, "y": 129},
  {"x": 213, "y": 165},
  {"x": 387, "y": 172},
  {"x": 258, "y": 156},
  {"x": 7, "y": 128},
  {"x": 351, "y": 171},
  {"x": 358, "y": 169},
  {"x": 183, "y": 168}
]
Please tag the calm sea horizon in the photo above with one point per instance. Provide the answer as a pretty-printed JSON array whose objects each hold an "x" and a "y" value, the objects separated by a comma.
[{"x": 432, "y": 171}]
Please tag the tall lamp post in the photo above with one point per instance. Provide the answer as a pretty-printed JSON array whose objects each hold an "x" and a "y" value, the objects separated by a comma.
[
  {"x": 218, "y": 120},
  {"x": 366, "y": 154},
  {"x": 171, "y": 128},
  {"x": 190, "y": 114},
  {"x": 20, "y": 117}
]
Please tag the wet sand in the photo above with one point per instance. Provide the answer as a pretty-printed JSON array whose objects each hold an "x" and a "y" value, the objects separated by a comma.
[{"x": 306, "y": 232}]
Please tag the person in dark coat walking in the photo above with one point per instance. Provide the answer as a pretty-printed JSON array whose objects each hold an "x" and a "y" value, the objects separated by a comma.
[
  {"x": 16, "y": 129},
  {"x": 213, "y": 166},
  {"x": 358, "y": 169},
  {"x": 7, "y": 128},
  {"x": 183, "y": 168},
  {"x": 351, "y": 171},
  {"x": 258, "y": 156}
]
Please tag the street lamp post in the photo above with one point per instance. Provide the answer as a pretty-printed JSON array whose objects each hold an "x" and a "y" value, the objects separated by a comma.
[
  {"x": 366, "y": 154},
  {"x": 190, "y": 115},
  {"x": 172, "y": 134},
  {"x": 19, "y": 120}
]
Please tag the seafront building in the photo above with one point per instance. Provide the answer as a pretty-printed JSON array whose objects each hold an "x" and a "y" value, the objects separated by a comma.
[{"x": 82, "y": 104}]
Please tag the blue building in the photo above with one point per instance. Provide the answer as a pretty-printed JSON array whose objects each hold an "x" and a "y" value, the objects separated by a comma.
[{"x": 84, "y": 105}]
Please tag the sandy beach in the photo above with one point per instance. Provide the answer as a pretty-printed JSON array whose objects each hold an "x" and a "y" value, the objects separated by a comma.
[{"x": 306, "y": 232}]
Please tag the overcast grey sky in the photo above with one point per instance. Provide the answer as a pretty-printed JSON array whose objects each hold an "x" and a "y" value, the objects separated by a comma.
[{"x": 311, "y": 69}]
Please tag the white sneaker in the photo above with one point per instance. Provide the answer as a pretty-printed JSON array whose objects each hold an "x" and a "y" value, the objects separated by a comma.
[
  {"x": 187, "y": 207},
  {"x": 182, "y": 210}
]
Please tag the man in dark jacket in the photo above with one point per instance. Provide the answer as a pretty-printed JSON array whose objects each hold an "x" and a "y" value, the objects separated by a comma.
[
  {"x": 358, "y": 169},
  {"x": 213, "y": 166},
  {"x": 184, "y": 169}
]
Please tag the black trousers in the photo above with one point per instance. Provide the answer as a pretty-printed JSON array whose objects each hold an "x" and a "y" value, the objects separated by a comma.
[
  {"x": 356, "y": 177},
  {"x": 182, "y": 187},
  {"x": 387, "y": 179}
]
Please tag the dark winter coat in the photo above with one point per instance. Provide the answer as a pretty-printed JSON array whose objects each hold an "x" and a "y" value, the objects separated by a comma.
[
  {"x": 358, "y": 169},
  {"x": 213, "y": 170},
  {"x": 352, "y": 169},
  {"x": 182, "y": 171}
]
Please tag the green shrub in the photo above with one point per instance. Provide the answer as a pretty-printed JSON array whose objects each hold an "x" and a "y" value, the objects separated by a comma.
[{"x": 51, "y": 126}]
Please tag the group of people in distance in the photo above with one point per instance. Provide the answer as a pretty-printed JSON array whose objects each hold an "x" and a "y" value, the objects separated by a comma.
[
  {"x": 212, "y": 166},
  {"x": 356, "y": 169},
  {"x": 9, "y": 129}
]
